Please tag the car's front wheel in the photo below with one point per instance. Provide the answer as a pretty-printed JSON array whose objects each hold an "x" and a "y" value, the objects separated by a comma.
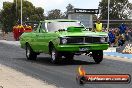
[
  {"x": 54, "y": 55},
  {"x": 97, "y": 56},
  {"x": 30, "y": 54}
]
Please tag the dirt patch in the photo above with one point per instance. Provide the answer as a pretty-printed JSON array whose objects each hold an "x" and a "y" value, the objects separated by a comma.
[{"x": 10, "y": 78}]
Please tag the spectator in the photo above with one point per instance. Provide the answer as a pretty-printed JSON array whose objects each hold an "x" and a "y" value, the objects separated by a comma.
[
  {"x": 111, "y": 35},
  {"x": 130, "y": 35},
  {"x": 122, "y": 28},
  {"x": 15, "y": 32},
  {"x": 126, "y": 35},
  {"x": 121, "y": 40},
  {"x": 117, "y": 35},
  {"x": 98, "y": 26}
]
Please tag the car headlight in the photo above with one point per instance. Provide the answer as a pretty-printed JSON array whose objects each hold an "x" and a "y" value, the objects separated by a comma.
[
  {"x": 102, "y": 39},
  {"x": 64, "y": 40}
]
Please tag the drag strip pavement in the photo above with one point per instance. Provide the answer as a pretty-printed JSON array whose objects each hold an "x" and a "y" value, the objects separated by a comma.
[{"x": 64, "y": 74}]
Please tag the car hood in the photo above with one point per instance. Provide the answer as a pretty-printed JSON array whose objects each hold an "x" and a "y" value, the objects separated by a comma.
[
  {"x": 78, "y": 31},
  {"x": 83, "y": 33}
]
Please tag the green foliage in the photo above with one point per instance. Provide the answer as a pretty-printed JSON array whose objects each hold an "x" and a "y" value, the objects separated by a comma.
[
  {"x": 116, "y": 7},
  {"x": 7, "y": 15},
  {"x": 39, "y": 14},
  {"x": 68, "y": 8},
  {"x": 55, "y": 14},
  {"x": 10, "y": 15}
]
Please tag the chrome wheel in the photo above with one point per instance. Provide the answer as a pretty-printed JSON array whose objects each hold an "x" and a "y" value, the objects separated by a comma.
[
  {"x": 30, "y": 54},
  {"x": 53, "y": 54}
]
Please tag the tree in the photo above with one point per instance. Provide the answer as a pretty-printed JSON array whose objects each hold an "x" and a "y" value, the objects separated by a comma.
[
  {"x": 7, "y": 15},
  {"x": 10, "y": 15},
  {"x": 55, "y": 14},
  {"x": 39, "y": 13},
  {"x": 68, "y": 8},
  {"x": 116, "y": 7},
  {"x": 95, "y": 17},
  {"x": 0, "y": 21}
]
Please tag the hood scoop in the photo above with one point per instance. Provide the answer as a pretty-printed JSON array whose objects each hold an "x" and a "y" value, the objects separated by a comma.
[{"x": 75, "y": 29}]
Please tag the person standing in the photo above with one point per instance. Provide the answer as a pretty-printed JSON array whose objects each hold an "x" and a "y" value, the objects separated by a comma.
[
  {"x": 98, "y": 26},
  {"x": 20, "y": 30},
  {"x": 122, "y": 28},
  {"x": 117, "y": 36},
  {"x": 128, "y": 35},
  {"x": 111, "y": 35},
  {"x": 15, "y": 32}
]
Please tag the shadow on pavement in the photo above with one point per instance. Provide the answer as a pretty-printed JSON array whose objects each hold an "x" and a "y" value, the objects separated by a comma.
[{"x": 46, "y": 61}]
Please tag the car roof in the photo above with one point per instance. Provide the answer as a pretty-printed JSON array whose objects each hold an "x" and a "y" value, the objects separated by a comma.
[{"x": 60, "y": 20}]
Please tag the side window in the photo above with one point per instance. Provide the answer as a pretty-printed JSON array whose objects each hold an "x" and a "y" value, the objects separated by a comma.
[
  {"x": 34, "y": 26},
  {"x": 31, "y": 25},
  {"x": 42, "y": 27}
]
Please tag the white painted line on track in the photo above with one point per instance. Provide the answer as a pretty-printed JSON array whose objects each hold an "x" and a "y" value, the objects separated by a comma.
[{"x": 16, "y": 43}]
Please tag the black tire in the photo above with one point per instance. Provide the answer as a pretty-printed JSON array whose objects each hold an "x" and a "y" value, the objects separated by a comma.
[
  {"x": 97, "y": 56},
  {"x": 55, "y": 55},
  {"x": 30, "y": 54}
]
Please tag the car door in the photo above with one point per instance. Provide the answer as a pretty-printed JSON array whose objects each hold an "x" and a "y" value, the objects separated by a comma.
[
  {"x": 42, "y": 38},
  {"x": 34, "y": 38}
]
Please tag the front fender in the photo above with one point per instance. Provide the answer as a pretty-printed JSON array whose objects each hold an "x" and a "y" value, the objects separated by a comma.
[
  {"x": 24, "y": 39},
  {"x": 55, "y": 42}
]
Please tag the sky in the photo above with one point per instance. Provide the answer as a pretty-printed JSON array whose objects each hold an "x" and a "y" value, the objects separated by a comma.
[{"x": 61, "y": 4}]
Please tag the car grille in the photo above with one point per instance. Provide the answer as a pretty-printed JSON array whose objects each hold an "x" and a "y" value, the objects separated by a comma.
[
  {"x": 83, "y": 40},
  {"x": 75, "y": 40}
]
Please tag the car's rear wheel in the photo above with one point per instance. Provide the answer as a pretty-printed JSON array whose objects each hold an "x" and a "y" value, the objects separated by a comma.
[
  {"x": 30, "y": 54},
  {"x": 97, "y": 56},
  {"x": 54, "y": 55}
]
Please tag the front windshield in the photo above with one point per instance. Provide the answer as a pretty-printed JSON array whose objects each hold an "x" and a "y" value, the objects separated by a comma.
[{"x": 55, "y": 26}]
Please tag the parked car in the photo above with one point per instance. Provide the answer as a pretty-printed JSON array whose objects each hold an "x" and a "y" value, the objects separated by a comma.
[{"x": 63, "y": 38}]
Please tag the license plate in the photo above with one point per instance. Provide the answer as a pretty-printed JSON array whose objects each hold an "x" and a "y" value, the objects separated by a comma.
[{"x": 83, "y": 49}]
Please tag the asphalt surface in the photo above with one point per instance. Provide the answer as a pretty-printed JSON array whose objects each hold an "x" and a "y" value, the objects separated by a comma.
[{"x": 64, "y": 74}]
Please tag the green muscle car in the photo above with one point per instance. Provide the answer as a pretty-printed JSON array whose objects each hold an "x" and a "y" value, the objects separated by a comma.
[{"x": 63, "y": 38}]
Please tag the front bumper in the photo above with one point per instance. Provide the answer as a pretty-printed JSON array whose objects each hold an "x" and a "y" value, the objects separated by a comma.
[{"x": 76, "y": 48}]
